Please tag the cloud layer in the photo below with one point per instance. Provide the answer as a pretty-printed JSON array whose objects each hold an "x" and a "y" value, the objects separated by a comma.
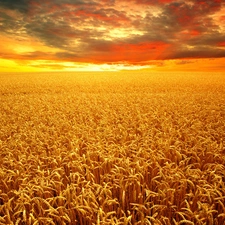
[{"x": 114, "y": 31}]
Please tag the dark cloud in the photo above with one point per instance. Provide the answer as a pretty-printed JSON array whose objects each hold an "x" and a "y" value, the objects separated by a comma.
[
  {"x": 183, "y": 62},
  {"x": 7, "y": 23},
  {"x": 197, "y": 52},
  {"x": 11, "y": 26},
  {"x": 211, "y": 39},
  {"x": 36, "y": 55},
  {"x": 49, "y": 32},
  {"x": 20, "y": 5},
  {"x": 179, "y": 16},
  {"x": 66, "y": 55},
  {"x": 53, "y": 66}
]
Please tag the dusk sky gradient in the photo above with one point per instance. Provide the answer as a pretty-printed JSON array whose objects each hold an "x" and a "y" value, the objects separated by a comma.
[{"x": 112, "y": 35}]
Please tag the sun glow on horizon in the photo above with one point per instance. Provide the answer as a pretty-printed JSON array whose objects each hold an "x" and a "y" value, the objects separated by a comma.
[{"x": 216, "y": 65}]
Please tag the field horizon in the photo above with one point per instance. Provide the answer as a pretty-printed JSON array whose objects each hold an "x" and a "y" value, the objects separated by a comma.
[{"x": 128, "y": 147}]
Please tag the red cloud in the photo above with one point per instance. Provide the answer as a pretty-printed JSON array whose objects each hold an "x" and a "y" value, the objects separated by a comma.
[
  {"x": 131, "y": 52},
  {"x": 141, "y": 47},
  {"x": 221, "y": 44},
  {"x": 194, "y": 33},
  {"x": 187, "y": 34}
]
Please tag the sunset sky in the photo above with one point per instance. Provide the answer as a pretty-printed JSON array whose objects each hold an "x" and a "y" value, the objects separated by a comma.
[{"x": 70, "y": 35}]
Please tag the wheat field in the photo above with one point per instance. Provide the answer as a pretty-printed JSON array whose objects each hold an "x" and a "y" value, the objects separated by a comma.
[{"x": 107, "y": 148}]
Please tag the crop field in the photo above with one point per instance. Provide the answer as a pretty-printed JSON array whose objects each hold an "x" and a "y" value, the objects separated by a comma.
[{"x": 107, "y": 148}]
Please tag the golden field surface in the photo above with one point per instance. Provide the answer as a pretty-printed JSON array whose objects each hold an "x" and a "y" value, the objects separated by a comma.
[{"x": 112, "y": 148}]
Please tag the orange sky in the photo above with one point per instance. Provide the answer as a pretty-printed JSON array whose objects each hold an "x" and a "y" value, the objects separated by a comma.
[{"x": 95, "y": 35}]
